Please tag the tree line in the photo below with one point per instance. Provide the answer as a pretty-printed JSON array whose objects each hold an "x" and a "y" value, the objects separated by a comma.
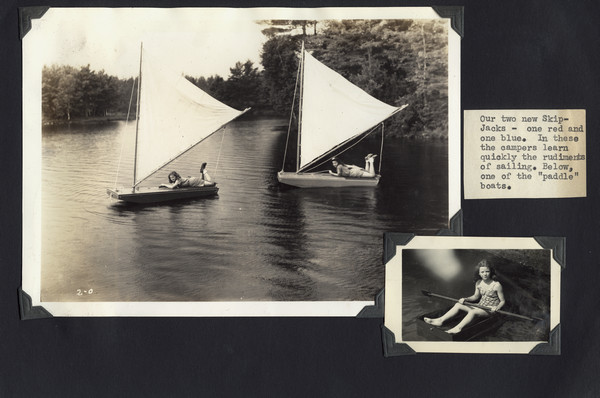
[
  {"x": 69, "y": 93},
  {"x": 397, "y": 61}
]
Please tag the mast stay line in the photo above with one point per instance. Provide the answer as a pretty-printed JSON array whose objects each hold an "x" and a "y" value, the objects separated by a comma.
[
  {"x": 126, "y": 124},
  {"x": 312, "y": 165},
  {"x": 188, "y": 149},
  {"x": 137, "y": 117},
  {"x": 287, "y": 140}
]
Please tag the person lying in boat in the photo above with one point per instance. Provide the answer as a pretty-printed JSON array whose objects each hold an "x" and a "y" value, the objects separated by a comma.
[
  {"x": 176, "y": 181},
  {"x": 346, "y": 170},
  {"x": 487, "y": 290}
]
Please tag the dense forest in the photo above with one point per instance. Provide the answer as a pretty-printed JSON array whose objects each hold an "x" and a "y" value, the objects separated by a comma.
[
  {"x": 397, "y": 61},
  {"x": 69, "y": 93}
]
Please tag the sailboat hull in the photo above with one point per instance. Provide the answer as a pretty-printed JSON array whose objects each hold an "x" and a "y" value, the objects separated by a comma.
[
  {"x": 321, "y": 180},
  {"x": 158, "y": 195}
]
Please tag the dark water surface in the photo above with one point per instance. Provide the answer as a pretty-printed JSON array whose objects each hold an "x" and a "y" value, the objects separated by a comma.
[{"x": 254, "y": 241}]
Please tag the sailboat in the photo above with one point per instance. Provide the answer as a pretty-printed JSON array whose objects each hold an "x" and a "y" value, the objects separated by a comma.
[
  {"x": 333, "y": 113},
  {"x": 173, "y": 116}
]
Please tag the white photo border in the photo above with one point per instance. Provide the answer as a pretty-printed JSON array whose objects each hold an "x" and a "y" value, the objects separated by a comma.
[
  {"x": 392, "y": 330},
  {"x": 32, "y": 149}
]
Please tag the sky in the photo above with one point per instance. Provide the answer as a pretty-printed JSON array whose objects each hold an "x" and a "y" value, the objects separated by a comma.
[
  {"x": 197, "y": 42},
  {"x": 194, "y": 41}
]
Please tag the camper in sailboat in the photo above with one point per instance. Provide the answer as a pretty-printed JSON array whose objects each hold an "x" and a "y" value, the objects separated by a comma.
[
  {"x": 177, "y": 181},
  {"x": 173, "y": 116},
  {"x": 333, "y": 115},
  {"x": 344, "y": 170}
]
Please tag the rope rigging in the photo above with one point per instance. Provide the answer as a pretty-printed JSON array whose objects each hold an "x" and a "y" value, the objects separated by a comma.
[{"x": 125, "y": 129}]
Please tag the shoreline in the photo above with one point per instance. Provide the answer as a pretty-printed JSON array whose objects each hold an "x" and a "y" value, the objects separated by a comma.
[{"x": 424, "y": 136}]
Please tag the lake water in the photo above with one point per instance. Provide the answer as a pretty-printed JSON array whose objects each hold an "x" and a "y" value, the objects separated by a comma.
[{"x": 255, "y": 240}]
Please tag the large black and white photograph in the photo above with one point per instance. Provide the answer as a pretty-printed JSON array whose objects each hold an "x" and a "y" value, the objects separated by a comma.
[
  {"x": 232, "y": 161},
  {"x": 475, "y": 298}
]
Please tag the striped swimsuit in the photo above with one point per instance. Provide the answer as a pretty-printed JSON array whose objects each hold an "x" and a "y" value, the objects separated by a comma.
[{"x": 489, "y": 296}]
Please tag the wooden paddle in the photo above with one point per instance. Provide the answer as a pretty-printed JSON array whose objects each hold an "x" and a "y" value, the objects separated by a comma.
[{"x": 427, "y": 293}]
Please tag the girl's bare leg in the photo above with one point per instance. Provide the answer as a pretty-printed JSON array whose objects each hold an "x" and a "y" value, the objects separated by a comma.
[
  {"x": 452, "y": 312},
  {"x": 369, "y": 167},
  {"x": 208, "y": 182},
  {"x": 466, "y": 320}
]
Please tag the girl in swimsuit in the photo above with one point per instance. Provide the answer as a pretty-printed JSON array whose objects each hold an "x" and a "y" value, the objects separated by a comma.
[
  {"x": 176, "y": 181},
  {"x": 345, "y": 170},
  {"x": 487, "y": 290}
]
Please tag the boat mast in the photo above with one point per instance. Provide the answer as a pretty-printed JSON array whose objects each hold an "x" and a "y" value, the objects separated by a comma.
[
  {"x": 300, "y": 103},
  {"x": 137, "y": 117}
]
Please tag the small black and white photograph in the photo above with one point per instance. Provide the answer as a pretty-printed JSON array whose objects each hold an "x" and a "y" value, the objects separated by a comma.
[
  {"x": 480, "y": 295},
  {"x": 239, "y": 158},
  {"x": 473, "y": 295}
]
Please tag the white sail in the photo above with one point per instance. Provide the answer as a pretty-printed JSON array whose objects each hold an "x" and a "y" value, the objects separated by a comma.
[
  {"x": 334, "y": 110},
  {"x": 174, "y": 116}
]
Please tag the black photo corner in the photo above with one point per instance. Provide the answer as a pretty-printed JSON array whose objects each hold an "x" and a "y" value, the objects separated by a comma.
[{"x": 528, "y": 54}]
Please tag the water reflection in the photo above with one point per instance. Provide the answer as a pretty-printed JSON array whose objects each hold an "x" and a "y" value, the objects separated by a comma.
[
  {"x": 255, "y": 240},
  {"x": 292, "y": 253}
]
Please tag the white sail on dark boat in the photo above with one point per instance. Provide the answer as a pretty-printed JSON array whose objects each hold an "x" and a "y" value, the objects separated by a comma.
[
  {"x": 173, "y": 116},
  {"x": 332, "y": 112}
]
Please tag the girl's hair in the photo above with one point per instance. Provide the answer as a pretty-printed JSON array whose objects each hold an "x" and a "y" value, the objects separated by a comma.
[
  {"x": 484, "y": 263},
  {"x": 336, "y": 159},
  {"x": 174, "y": 174}
]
